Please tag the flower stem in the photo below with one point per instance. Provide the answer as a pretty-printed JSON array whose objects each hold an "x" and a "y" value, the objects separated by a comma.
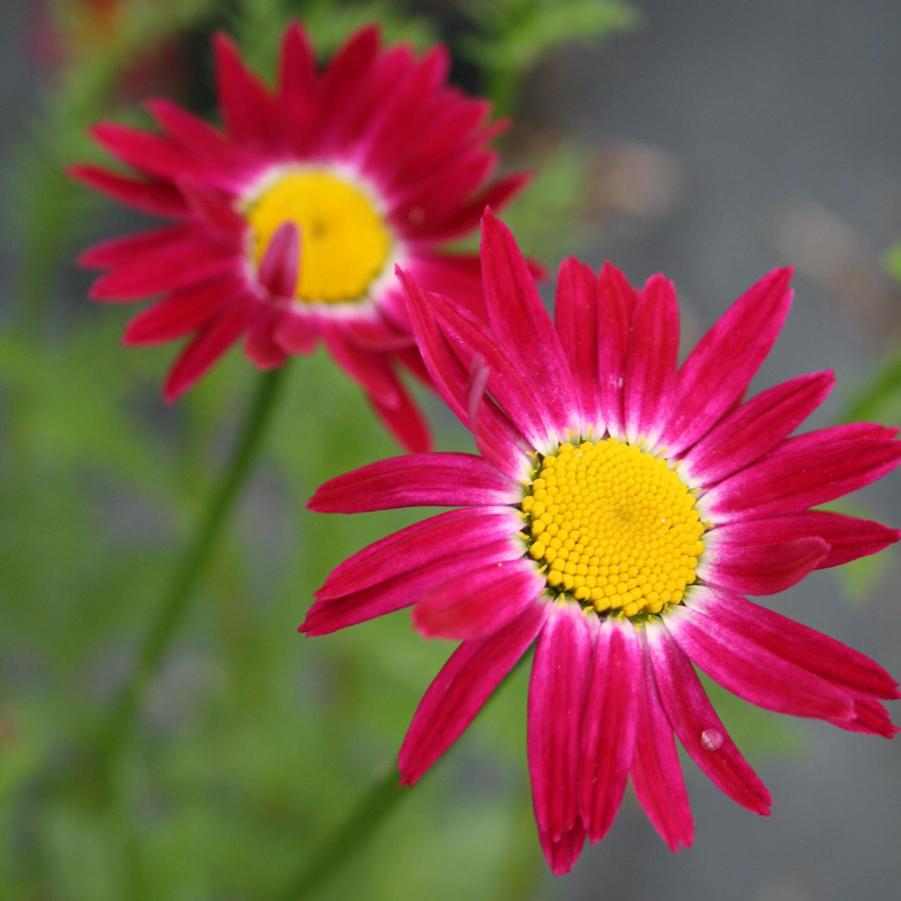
[
  {"x": 190, "y": 568},
  {"x": 381, "y": 799}
]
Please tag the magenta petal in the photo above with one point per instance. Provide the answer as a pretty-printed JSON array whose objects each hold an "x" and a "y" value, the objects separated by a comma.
[
  {"x": 458, "y": 692},
  {"x": 656, "y": 772},
  {"x": 847, "y": 537},
  {"x": 297, "y": 78},
  {"x": 756, "y": 427},
  {"x": 151, "y": 154},
  {"x": 330, "y": 614},
  {"x": 497, "y": 439},
  {"x": 167, "y": 268},
  {"x": 522, "y": 324},
  {"x": 123, "y": 251},
  {"x": 205, "y": 350},
  {"x": 296, "y": 332},
  {"x": 401, "y": 416},
  {"x": 423, "y": 542},
  {"x": 448, "y": 374},
  {"x": 280, "y": 265},
  {"x": 563, "y": 852},
  {"x": 245, "y": 102},
  {"x": 513, "y": 389},
  {"x": 576, "y": 319},
  {"x": 617, "y": 300},
  {"x": 416, "y": 480},
  {"x": 651, "y": 361},
  {"x": 753, "y": 671},
  {"x": 372, "y": 371},
  {"x": 870, "y": 718},
  {"x": 183, "y": 311},
  {"x": 809, "y": 649},
  {"x": 556, "y": 694},
  {"x": 609, "y": 720},
  {"x": 700, "y": 730},
  {"x": 214, "y": 209},
  {"x": 719, "y": 369},
  {"x": 157, "y": 197},
  {"x": 804, "y": 471},
  {"x": 479, "y": 602},
  {"x": 260, "y": 346},
  {"x": 759, "y": 568}
]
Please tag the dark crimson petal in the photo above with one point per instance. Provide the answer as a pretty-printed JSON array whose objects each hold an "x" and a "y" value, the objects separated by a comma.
[
  {"x": 415, "y": 480},
  {"x": 755, "y": 427},
  {"x": 700, "y": 730},
  {"x": 458, "y": 692},
  {"x": 718, "y": 371},
  {"x": 609, "y": 722},
  {"x": 556, "y": 695}
]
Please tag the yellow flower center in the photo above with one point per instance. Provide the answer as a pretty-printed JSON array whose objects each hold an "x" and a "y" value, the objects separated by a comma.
[
  {"x": 344, "y": 241},
  {"x": 613, "y": 527}
]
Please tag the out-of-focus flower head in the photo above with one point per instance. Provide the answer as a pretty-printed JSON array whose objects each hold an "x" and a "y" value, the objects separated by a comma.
[
  {"x": 69, "y": 32},
  {"x": 619, "y": 512},
  {"x": 288, "y": 222}
]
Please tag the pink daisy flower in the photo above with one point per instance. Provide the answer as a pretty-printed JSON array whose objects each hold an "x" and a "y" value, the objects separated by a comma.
[
  {"x": 620, "y": 510},
  {"x": 288, "y": 223}
]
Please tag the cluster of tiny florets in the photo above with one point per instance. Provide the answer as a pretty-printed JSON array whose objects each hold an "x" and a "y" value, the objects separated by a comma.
[{"x": 613, "y": 526}]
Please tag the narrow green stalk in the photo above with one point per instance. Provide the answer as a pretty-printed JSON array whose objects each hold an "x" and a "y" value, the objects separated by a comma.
[
  {"x": 190, "y": 568},
  {"x": 370, "y": 813}
]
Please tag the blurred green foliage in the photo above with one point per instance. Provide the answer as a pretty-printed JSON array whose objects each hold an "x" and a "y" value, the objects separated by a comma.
[{"x": 513, "y": 35}]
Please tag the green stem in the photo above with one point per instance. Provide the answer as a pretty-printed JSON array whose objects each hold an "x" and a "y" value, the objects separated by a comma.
[
  {"x": 370, "y": 813},
  {"x": 190, "y": 567}
]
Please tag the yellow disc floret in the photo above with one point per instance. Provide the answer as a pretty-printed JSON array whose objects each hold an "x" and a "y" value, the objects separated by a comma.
[
  {"x": 614, "y": 527},
  {"x": 344, "y": 241}
]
